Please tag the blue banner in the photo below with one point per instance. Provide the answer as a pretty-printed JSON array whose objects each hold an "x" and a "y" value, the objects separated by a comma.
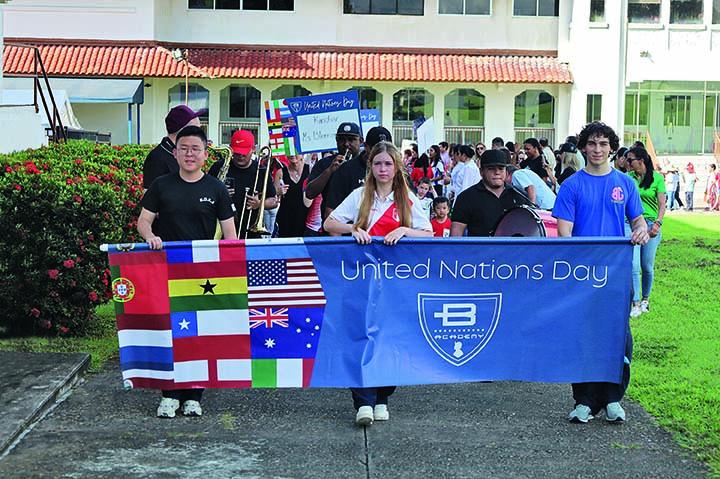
[{"x": 327, "y": 312}]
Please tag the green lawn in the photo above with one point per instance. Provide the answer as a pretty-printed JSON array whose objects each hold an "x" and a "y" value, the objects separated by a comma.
[{"x": 676, "y": 363}]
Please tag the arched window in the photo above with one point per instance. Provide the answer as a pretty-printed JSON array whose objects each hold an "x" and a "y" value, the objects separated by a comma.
[
  {"x": 534, "y": 109},
  {"x": 464, "y": 107},
  {"x": 198, "y": 98},
  {"x": 370, "y": 98},
  {"x": 239, "y": 102},
  {"x": 289, "y": 91},
  {"x": 412, "y": 103}
]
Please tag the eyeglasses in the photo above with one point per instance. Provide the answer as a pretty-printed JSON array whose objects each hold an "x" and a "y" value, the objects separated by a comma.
[{"x": 195, "y": 150}]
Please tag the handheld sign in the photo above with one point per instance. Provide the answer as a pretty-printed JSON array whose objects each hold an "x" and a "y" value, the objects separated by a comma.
[
  {"x": 369, "y": 119},
  {"x": 318, "y": 116},
  {"x": 281, "y": 128}
]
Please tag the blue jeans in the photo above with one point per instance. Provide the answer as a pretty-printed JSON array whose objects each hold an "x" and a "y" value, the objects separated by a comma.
[
  {"x": 671, "y": 199},
  {"x": 371, "y": 396},
  {"x": 689, "y": 200},
  {"x": 644, "y": 266}
]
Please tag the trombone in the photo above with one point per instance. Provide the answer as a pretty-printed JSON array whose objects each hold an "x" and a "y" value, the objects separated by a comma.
[{"x": 259, "y": 228}]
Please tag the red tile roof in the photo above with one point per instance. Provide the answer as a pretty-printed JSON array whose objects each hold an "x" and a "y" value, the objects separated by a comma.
[{"x": 149, "y": 59}]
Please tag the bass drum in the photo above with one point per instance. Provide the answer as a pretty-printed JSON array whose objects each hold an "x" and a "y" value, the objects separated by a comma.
[{"x": 525, "y": 221}]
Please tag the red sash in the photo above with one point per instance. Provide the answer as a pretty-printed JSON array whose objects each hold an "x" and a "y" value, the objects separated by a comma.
[{"x": 388, "y": 222}]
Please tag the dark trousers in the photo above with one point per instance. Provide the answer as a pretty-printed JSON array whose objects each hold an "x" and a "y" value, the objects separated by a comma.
[
  {"x": 597, "y": 395},
  {"x": 371, "y": 396},
  {"x": 183, "y": 395}
]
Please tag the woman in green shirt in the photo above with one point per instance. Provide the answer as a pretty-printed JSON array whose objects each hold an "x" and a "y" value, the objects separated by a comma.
[{"x": 652, "y": 195}]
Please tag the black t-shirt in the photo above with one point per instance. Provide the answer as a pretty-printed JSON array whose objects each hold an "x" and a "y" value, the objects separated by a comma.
[
  {"x": 160, "y": 161},
  {"x": 189, "y": 211},
  {"x": 349, "y": 176},
  {"x": 537, "y": 165},
  {"x": 320, "y": 166},
  {"x": 481, "y": 210},
  {"x": 246, "y": 178},
  {"x": 567, "y": 173}
]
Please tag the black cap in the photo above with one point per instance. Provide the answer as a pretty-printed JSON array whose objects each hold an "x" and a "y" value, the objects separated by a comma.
[
  {"x": 493, "y": 158},
  {"x": 568, "y": 148},
  {"x": 348, "y": 128},
  {"x": 377, "y": 134}
]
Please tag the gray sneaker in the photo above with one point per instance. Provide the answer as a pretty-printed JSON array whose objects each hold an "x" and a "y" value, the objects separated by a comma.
[
  {"x": 364, "y": 416},
  {"x": 581, "y": 413},
  {"x": 168, "y": 407},
  {"x": 614, "y": 412}
]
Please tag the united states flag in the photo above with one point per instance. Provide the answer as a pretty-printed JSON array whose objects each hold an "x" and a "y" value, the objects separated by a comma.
[{"x": 283, "y": 283}]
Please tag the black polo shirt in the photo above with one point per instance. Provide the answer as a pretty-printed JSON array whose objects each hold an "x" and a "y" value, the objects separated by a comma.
[
  {"x": 480, "y": 209},
  {"x": 160, "y": 161},
  {"x": 349, "y": 176}
]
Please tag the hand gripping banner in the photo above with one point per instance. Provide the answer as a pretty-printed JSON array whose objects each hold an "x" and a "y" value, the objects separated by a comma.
[{"x": 327, "y": 312}]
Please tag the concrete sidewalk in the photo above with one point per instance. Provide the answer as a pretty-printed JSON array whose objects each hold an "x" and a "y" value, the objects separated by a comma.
[{"x": 473, "y": 430}]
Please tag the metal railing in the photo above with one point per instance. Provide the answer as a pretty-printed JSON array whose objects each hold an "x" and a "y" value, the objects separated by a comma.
[
  {"x": 56, "y": 131},
  {"x": 465, "y": 135},
  {"x": 521, "y": 134},
  {"x": 227, "y": 128}
]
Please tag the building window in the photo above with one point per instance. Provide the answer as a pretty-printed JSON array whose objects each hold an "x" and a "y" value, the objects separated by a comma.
[
  {"x": 464, "y": 7},
  {"x": 384, "y": 7},
  {"x": 273, "y": 5},
  {"x": 712, "y": 111},
  {"x": 411, "y": 104},
  {"x": 594, "y": 108},
  {"x": 289, "y": 91},
  {"x": 716, "y": 12},
  {"x": 536, "y": 8},
  {"x": 370, "y": 98},
  {"x": 534, "y": 109},
  {"x": 198, "y": 97},
  {"x": 464, "y": 107},
  {"x": 644, "y": 11},
  {"x": 597, "y": 11},
  {"x": 239, "y": 102},
  {"x": 686, "y": 11},
  {"x": 677, "y": 110},
  {"x": 636, "y": 109}
]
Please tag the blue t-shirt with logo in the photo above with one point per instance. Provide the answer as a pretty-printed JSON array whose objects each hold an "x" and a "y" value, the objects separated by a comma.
[{"x": 598, "y": 205}]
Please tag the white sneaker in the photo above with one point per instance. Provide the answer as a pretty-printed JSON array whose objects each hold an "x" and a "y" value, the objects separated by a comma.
[
  {"x": 381, "y": 412},
  {"x": 581, "y": 413},
  {"x": 645, "y": 306},
  {"x": 364, "y": 416},
  {"x": 614, "y": 412},
  {"x": 168, "y": 407},
  {"x": 192, "y": 408},
  {"x": 635, "y": 311}
]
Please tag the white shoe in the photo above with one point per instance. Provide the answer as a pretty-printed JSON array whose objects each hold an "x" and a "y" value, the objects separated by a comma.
[
  {"x": 645, "y": 306},
  {"x": 192, "y": 408},
  {"x": 168, "y": 407},
  {"x": 635, "y": 311},
  {"x": 364, "y": 416},
  {"x": 614, "y": 412},
  {"x": 581, "y": 413},
  {"x": 381, "y": 412}
]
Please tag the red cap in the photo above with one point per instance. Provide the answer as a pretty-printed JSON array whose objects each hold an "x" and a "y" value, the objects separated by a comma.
[{"x": 242, "y": 142}]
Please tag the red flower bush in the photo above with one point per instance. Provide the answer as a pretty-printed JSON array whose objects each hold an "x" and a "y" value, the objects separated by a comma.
[{"x": 59, "y": 204}]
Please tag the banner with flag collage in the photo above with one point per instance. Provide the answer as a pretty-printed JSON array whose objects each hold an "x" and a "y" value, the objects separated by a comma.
[
  {"x": 327, "y": 312},
  {"x": 282, "y": 129}
]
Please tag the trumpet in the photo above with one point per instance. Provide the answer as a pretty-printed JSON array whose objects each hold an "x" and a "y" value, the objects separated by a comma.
[
  {"x": 265, "y": 153},
  {"x": 221, "y": 176}
]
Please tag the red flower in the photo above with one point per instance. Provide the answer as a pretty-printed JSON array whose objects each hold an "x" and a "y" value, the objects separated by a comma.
[
  {"x": 78, "y": 161},
  {"x": 8, "y": 169},
  {"x": 17, "y": 187},
  {"x": 69, "y": 181},
  {"x": 53, "y": 273},
  {"x": 46, "y": 324},
  {"x": 63, "y": 329},
  {"x": 34, "y": 312},
  {"x": 77, "y": 198},
  {"x": 93, "y": 296},
  {"x": 69, "y": 263}
]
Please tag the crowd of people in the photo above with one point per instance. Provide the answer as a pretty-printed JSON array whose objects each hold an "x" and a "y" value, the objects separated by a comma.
[{"x": 368, "y": 187}]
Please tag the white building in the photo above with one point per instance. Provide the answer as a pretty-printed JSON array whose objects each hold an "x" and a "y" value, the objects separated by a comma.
[{"x": 481, "y": 68}]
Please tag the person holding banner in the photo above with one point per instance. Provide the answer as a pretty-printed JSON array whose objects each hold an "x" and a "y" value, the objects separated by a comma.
[
  {"x": 385, "y": 207},
  {"x": 595, "y": 202},
  {"x": 190, "y": 203}
]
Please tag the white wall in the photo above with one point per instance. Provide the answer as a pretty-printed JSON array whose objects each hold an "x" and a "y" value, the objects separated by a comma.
[
  {"x": 102, "y": 20},
  {"x": 105, "y": 117},
  {"x": 22, "y": 128}
]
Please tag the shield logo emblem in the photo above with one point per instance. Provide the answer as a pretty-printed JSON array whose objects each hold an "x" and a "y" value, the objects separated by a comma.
[
  {"x": 458, "y": 326},
  {"x": 296, "y": 106}
]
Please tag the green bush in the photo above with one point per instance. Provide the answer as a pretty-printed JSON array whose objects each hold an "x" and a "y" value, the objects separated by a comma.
[{"x": 57, "y": 206}]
